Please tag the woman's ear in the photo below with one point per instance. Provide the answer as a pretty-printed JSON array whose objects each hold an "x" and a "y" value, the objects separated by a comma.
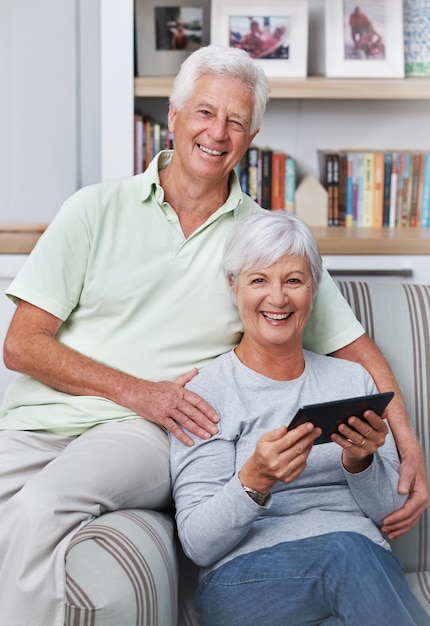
[{"x": 232, "y": 284}]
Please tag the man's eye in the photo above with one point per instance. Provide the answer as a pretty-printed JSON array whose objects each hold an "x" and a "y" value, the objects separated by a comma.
[
  {"x": 237, "y": 124},
  {"x": 258, "y": 280}
]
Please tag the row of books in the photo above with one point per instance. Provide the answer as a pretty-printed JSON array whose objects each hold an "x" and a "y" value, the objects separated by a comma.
[
  {"x": 149, "y": 138},
  {"x": 376, "y": 188},
  {"x": 269, "y": 177}
]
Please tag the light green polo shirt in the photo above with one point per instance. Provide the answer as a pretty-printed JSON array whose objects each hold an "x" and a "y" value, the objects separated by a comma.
[{"x": 132, "y": 292}]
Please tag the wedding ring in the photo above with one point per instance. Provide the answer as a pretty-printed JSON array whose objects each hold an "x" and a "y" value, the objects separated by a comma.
[{"x": 362, "y": 443}]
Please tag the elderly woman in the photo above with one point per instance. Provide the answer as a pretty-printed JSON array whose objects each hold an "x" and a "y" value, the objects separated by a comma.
[{"x": 287, "y": 532}]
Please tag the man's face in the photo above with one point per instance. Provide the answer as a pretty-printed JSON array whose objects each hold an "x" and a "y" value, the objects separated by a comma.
[{"x": 212, "y": 131}]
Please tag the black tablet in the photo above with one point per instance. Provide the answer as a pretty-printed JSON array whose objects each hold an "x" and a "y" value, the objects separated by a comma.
[{"x": 328, "y": 415}]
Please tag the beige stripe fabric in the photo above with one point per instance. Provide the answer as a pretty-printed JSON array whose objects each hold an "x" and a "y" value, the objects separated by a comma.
[
  {"x": 122, "y": 571},
  {"x": 397, "y": 317}
]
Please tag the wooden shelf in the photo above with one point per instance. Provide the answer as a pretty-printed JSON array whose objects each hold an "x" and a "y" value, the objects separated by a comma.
[
  {"x": 357, "y": 241},
  {"x": 19, "y": 239},
  {"x": 333, "y": 240},
  {"x": 313, "y": 87}
]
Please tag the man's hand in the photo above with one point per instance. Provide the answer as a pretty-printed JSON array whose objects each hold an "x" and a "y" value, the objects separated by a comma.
[
  {"x": 173, "y": 407},
  {"x": 413, "y": 480}
]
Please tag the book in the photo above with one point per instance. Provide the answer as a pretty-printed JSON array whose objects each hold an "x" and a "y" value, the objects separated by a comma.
[
  {"x": 425, "y": 195},
  {"x": 278, "y": 180},
  {"x": 253, "y": 153},
  {"x": 349, "y": 214},
  {"x": 138, "y": 143},
  {"x": 290, "y": 184},
  {"x": 415, "y": 184},
  {"x": 360, "y": 190},
  {"x": 242, "y": 171},
  {"x": 416, "y": 37},
  {"x": 400, "y": 184},
  {"x": 392, "y": 219},
  {"x": 406, "y": 191},
  {"x": 265, "y": 178},
  {"x": 326, "y": 165},
  {"x": 378, "y": 189},
  {"x": 388, "y": 166},
  {"x": 343, "y": 180},
  {"x": 368, "y": 177},
  {"x": 335, "y": 189}
]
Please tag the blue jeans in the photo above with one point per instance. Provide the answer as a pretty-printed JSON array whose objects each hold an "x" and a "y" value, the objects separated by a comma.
[{"x": 335, "y": 579}]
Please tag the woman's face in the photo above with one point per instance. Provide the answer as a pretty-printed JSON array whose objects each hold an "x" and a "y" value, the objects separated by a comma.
[{"x": 275, "y": 303}]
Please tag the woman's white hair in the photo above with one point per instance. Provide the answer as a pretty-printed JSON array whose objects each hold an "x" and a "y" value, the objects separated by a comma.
[
  {"x": 261, "y": 239},
  {"x": 222, "y": 61}
]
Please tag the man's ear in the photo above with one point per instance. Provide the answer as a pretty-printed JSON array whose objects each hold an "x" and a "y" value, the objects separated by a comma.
[
  {"x": 251, "y": 137},
  {"x": 171, "y": 117}
]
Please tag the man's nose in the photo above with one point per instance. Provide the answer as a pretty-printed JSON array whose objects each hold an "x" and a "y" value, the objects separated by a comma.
[{"x": 218, "y": 129}]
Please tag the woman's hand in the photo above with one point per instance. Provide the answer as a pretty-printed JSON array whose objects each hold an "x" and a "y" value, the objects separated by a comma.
[
  {"x": 279, "y": 455},
  {"x": 360, "y": 440}
]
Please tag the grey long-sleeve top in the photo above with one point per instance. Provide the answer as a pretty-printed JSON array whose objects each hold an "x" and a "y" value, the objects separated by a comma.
[{"x": 218, "y": 521}]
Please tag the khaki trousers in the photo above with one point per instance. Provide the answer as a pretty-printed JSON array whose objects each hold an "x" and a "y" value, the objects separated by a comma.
[{"x": 52, "y": 485}]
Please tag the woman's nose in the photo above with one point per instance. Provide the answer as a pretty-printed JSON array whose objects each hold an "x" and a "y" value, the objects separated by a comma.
[{"x": 278, "y": 294}]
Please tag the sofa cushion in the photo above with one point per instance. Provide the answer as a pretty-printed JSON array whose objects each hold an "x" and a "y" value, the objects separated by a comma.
[{"x": 133, "y": 553}]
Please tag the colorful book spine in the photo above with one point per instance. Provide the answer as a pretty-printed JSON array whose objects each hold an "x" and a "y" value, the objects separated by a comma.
[
  {"x": 290, "y": 184},
  {"x": 388, "y": 166},
  {"x": 425, "y": 195},
  {"x": 378, "y": 190},
  {"x": 360, "y": 190},
  {"x": 343, "y": 180},
  {"x": 265, "y": 178},
  {"x": 415, "y": 185},
  {"x": 392, "y": 220},
  {"x": 349, "y": 190},
  {"x": 253, "y": 172},
  {"x": 368, "y": 176},
  {"x": 278, "y": 181},
  {"x": 335, "y": 189}
]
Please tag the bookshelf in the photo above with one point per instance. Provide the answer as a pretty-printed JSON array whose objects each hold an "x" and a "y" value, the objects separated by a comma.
[
  {"x": 20, "y": 239},
  {"x": 335, "y": 240},
  {"x": 312, "y": 87}
]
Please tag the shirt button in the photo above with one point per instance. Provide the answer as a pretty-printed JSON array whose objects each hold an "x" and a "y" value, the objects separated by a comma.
[{"x": 169, "y": 217}]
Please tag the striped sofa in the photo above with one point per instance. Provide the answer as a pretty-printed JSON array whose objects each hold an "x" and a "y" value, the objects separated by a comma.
[{"x": 125, "y": 568}]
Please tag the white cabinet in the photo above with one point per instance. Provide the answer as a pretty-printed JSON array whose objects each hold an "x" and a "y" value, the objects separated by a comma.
[{"x": 404, "y": 268}]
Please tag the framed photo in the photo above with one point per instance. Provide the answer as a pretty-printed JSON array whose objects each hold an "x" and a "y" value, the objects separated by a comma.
[
  {"x": 365, "y": 39},
  {"x": 167, "y": 32},
  {"x": 275, "y": 33}
]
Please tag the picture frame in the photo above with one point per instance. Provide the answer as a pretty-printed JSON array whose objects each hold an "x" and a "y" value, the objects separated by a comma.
[
  {"x": 274, "y": 33},
  {"x": 167, "y": 32},
  {"x": 367, "y": 44}
]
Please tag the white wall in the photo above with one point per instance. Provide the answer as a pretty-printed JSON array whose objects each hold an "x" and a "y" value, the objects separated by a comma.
[{"x": 38, "y": 166}]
